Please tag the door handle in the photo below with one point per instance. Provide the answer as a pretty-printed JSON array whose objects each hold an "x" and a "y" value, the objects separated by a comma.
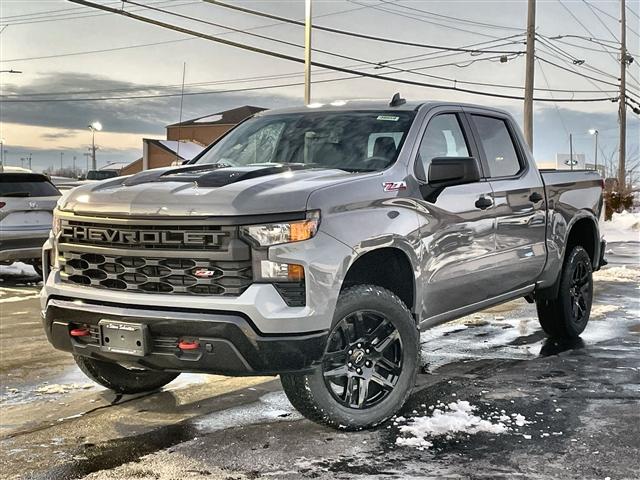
[
  {"x": 483, "y": 203},
  {"x": 535, "y": 197}
]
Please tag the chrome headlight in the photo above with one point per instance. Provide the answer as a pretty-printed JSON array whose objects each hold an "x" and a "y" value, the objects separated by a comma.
[{"x": 286, "y": 232}]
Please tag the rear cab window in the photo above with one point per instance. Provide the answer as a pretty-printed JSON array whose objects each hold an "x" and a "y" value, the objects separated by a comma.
[
  {"x": 26, "y": 185},
  {"x": 497, "y": 143}
]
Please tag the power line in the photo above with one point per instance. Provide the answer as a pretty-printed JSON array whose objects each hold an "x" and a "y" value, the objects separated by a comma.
[
  {"x": 413, "y": 17},
  {"x": 574, "y": 61},
  {"x": 416, "y": 71},
  {"x": 354, "y": 34},
  {"x": 336, "y": 68},
  {"x": 126, "y": 47},
  {"x": 168, "y": 95},
  {"x": 546, "y": 80},
  {"x": 62, "y": 17},
  {"x": 449, "y": 17},
  {"x": 594, "y": 8},
  {"x": 87, "y": 52}
]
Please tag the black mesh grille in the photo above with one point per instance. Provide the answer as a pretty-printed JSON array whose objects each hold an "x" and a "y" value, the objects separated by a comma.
[
  {"x": 293, "y": 294},
  {"x": 156, "y": 275}
]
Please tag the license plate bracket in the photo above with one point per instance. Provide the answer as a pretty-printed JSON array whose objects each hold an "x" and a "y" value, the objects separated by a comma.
[{"x": 123, "y": 337}]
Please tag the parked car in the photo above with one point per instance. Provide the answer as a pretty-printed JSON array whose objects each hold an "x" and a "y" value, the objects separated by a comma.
[
  {"x": 65, "y": 183},
  {"x": 101, "y": 174},
  {"x": 316, "y": 243},
  {"x": 26, "y": 204}
]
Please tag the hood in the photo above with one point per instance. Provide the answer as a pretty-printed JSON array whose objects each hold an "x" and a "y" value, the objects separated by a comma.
[{"x": 204, "y": 190}]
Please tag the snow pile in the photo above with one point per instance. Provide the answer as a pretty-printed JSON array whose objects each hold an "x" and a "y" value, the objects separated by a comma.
[
  {"x": 623, "y": 227},
  {"x": 58, "y": 389},
  {"x": 618, "y": 274},
  {"x": 17, "y": 269},
  {"x": 447, "y": 420}
]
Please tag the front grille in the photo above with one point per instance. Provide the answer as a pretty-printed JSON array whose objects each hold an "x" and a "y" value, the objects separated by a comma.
[
  {"x": 152, "y": 237},
  {"x": 154, "y": 257},
  {"x": 156, "y": 275}
]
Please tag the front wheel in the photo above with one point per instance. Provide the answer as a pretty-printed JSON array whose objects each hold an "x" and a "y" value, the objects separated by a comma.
[
  {"x": 566, "y": 316},
  {"x": 369, "y": 366},
  {"x": 120, "y": 379}
]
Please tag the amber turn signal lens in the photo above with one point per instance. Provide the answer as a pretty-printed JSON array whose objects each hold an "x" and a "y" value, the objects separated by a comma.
[{"x": 296, "y": 272}]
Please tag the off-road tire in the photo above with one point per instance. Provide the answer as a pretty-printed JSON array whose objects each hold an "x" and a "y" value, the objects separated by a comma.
[
  {"x": 558, "y": 316},
  {"x": 309, "y": 393},
  {"x": 121, "y": 379}
]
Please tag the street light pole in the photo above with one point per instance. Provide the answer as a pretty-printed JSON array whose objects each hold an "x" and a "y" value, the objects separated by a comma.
[
  {"x": 307, "y": 52},
  {"x": 594, "y": 131},
  {"x": 93, "y": 127}
]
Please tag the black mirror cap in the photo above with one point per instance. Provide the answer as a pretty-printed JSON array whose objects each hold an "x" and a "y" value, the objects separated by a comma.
[{"x": 449, "y": 171}]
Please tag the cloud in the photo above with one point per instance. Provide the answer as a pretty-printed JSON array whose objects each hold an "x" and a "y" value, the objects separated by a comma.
[
  {"x": 146, "y": 116},
  {"x": 57, "y": 135}
]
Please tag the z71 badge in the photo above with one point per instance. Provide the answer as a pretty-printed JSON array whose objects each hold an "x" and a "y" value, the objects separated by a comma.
[{"x": 394, "y": 186}]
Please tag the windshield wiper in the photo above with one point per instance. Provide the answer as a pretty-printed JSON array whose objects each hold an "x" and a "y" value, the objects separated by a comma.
[{"x": 16, "y": 194}]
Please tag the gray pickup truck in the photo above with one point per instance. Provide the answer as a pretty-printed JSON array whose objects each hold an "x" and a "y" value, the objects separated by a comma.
[{"x": 315, "y": 243}]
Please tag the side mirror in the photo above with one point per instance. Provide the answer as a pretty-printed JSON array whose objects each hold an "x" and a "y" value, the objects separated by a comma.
[{"x": 449, "y": 171}]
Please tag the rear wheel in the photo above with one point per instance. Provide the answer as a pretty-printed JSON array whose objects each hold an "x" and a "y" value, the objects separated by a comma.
[
  {"x": 566, "y": 316},
  {"x": 120, "y": 379},
  {"x": 369, "y": 366}
]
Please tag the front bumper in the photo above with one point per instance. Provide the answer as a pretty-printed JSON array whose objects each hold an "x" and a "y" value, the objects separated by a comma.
[{"x": 229, "y": 343}]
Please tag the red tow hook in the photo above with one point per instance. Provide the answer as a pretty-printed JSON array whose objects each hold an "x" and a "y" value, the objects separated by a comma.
[
  {"x": 186, "y": 345},
  {"x": 79, "y": 332}
]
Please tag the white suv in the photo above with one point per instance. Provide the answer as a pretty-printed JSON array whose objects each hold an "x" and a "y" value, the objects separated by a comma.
[{"x": 26, "y": 204}]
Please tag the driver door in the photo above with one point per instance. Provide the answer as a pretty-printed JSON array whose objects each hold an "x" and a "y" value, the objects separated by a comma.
[{"x": 457, "y": 223}]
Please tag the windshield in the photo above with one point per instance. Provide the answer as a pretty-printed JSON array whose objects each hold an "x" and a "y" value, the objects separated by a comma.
[{"x": 353, "y": 141}]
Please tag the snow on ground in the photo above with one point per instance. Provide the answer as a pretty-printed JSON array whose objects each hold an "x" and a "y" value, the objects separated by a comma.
[
  {"x": 623, "y": 227},
  {"x": 449, "y": 420},
  {"x": 17, "y": 269},
  {"x": 617, "y": 274},
  {"x": 271, "y": 407}
]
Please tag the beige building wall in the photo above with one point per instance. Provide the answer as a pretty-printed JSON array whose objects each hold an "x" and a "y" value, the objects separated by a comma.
[{"x": 202, "y": 134}]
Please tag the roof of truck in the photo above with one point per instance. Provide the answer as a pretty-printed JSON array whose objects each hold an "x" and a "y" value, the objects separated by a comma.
[{"x": 374, "y": 105}]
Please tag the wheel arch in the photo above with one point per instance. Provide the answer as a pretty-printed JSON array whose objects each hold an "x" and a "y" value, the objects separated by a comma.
[
  {"x": 386, "y": 267},
  {"x": 582, "y": 231}
]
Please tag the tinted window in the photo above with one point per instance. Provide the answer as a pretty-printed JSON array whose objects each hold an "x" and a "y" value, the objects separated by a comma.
[
  {"x": 498, "y": 146},
  {"x": 354, "y": 141},
  {"x": 101, "y": 174},
  {"x": 26, "y": 185},
  {"x": 442, "y": 138}
]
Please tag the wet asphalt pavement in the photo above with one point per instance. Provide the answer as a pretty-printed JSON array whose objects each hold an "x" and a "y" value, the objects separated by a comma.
[{"x": 581, "y": 402}]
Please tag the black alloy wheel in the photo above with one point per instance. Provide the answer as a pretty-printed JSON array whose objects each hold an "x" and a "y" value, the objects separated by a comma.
[
  {"x": 580, "y": 292},
  {"x": 363, "y": 361}
]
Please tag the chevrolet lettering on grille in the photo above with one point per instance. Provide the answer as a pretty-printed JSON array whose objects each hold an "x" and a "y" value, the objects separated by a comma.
[{"x": 141, "y": 237}]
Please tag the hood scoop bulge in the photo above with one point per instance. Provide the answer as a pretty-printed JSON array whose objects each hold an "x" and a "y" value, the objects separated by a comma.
[{"x": 210, "y": 175}]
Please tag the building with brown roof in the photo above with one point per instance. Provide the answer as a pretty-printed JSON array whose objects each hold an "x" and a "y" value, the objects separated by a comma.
[{"x": 187, "y": 139}]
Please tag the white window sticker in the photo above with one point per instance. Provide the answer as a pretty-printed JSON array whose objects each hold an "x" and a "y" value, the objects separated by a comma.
[{"x": 388, "y": 118}]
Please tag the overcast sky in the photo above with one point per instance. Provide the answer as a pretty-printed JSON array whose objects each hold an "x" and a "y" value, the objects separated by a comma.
[{"x": 44, "y": 48}]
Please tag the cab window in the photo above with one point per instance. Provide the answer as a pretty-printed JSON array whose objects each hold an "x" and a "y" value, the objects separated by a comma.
[
  {"x": 497, "y": 143},
  {"x": 442, "y": 138}
]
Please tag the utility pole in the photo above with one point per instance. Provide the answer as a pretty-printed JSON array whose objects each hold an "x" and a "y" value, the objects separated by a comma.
[
  {"x": 622, "y": 107},
  {"x": 530, "y": 72},
  {"x": 571, "y": 150},
  {"x": 61, "y": 167},
  {"x": 307, "y": 52}
]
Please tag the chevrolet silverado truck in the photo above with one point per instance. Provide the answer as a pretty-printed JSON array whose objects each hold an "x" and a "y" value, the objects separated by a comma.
[{"x": 315, "y": 243}]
